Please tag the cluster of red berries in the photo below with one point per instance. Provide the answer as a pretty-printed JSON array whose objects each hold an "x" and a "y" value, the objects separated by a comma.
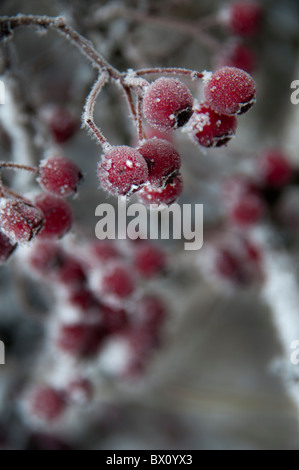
[
  {"x": 98, "y": 300},
  {"x": 49, "y": 215},
  {"x": 248, "y": 199},
  {"x": 153, "y": 169}
]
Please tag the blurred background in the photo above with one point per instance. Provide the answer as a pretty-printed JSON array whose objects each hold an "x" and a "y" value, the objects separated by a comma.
[{"x": 217, "y": 380}]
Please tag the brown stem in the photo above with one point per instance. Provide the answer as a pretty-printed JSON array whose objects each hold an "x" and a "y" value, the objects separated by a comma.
[
  {"x": 140, "y": 130},
  {"x": 17, "y": 166}
]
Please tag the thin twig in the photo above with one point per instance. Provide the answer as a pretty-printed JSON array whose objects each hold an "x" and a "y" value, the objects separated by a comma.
[
  {"x": 17, "y": 166},
  {"x": 193, "y": 74}
]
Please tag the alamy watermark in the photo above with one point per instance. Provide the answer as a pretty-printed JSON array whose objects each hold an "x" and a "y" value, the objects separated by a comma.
[
  {"x": 295, "y": 94},
  {"x": 135, "y": 221},
  {"x": 2, "y": 353}
]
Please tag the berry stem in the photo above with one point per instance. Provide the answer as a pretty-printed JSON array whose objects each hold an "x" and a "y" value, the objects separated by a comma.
[
  {"x": 170, "y": 70},
  {"x": 17, "y": 166},
  {"x": 140, "y": 130},
  {"x": 88, "y": 116}
]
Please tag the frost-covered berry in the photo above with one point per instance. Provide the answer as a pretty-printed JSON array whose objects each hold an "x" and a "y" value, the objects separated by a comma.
[
  {"x": 71, "y": 272},
  {"x": 46, "y": 403},
  {"x": 236, "y": 55},
  {"x": 167, "y": 194},
  {"x": 230, "y": 91},
  {"x": 149, "y": 260},
  {"x": 59, "y": 176},
  {"x": 45, "y": 257},
  {"x": 122, "y": 171},
  {"x": 162, "y": 159},
  {"x": 118, "y": 281},
  {"x": 6, "y": 247},
  {"x": 102, "y": 251},
  {"x": 275, "y": 170},
  {"x": 243, "y": 201},
  {"x": 114, "y": 319},
  {"x": 167, "y": 104},
  {"x": 57, "y": 213},
  {"x": 210, "y": 129},
  {"x": 61, "y": 122},
  {"x": 80, "y": 340},
  {"x": 244, "y": 17},
  {"x": 19, "y": 220}
]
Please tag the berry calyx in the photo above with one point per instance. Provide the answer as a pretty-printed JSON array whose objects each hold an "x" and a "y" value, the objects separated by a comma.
[
  {"x": 162, "y": 159},
  {"x": 59, "y": 176},
  {"x": 274, "y": 168},
  {"x": 166, "y": 194},
  {"x": 46, "y": 403},
  {"x": 20, "y": 221},
  {"x": 6, "y": 247},
  {"x": 230, "y": 91},
  {"x": 167, "y": 104},
  {"x": 210, "y": 129},
  {"x": 122, "y": 171},
  {"x": 244, "y": 18},
  {"x": 57, "y": 214}
]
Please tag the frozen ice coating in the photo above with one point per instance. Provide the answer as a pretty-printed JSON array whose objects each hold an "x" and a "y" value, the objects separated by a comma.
[
  {"x": 162, "y": 159},
  {"x": 167, "y": 103},
  {"x": 122, "y": 171},
  {"x": 230, "y": 91}
]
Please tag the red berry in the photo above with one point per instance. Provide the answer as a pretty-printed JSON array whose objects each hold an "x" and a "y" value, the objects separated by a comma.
[
  {"x": 162, "y": 159},
  {"x": 20, "y": 221},
  {"x": 46, "y": 403},
  {"x": 83, "y": 299},
  {"x": 6, "y": 247},
  {"x": 167, "y": 194},
  {"x": 122, "y": 171},
  {"x": 150, "y": 312},
  {"x": 275, "y": 169},
  {"x": 79, "y": 391},
  {"x": 243, "y": 201},
  {"x": 236, "y": 55},
  {"x": 45, "y": 257},
  {"x": 103, "y": 251},
  {"x": 80, "y": 340},
  {"x": 118, "y": 281},
  {"x": 167, "y": 104},
  {"x": 58, "y": 215},
  {"x": 230, "y": 91},
  {"x": 149, "y": 260},
  {"x": 59, "y": 176},
  {"x": 71, "y": 272},
  {"x": 114, "y": 320},
  {"x": 229, "y": 266},
  {"x": 244, "y": 18},
  {"x": 209, "y": 128},
  {"x": 62, "y": 124}
]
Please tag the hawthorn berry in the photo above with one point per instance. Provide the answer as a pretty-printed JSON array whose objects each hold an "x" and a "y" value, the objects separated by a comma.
[
  {"x": 58, "y": 215},
  {"x": 167, "y": 104},
  {"x": 103, "y": 251},
  {"x": 61, "y": 122},
  {"x": 45, "y": 257},
  {"x": 166, "y": 194},
  {"x": 274, "y": 168},
  {"x": 236, "y": 55},
  {"x": 6, "y": 247},
  {"x": 162, "y": 160},
  {"x": 71, "y": 272},
  {"x": 149, "y": 260},
  {"x": 122, "y": 171},
  {"x": 118, "y": 281},
  {"x": 210, "y": 129},
  {"x": 243, "y": 201},
  {"x": 244, "y": 17},
  {"x": 114, "y": 319},
  {"x": 20, "y": 221},
  {"x": 46, "y": 403},
  {"x": 59, "y": 176},
  {"x": 230, "y": 91},
  {"x": 80, "y": 340}
]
